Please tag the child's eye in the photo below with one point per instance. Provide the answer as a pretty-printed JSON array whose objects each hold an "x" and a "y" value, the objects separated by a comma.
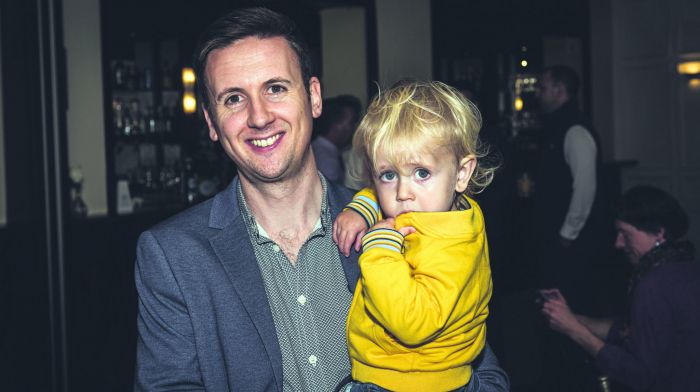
[
  {"x": 387, "y": 176},
  {"x": 422, "y": 174}
]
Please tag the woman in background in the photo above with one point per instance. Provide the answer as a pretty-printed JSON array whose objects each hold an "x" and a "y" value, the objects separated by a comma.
[{"x": 655, "y": 346}]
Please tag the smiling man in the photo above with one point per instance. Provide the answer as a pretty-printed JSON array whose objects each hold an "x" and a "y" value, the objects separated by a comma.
[{"x": 247, "y": 291}]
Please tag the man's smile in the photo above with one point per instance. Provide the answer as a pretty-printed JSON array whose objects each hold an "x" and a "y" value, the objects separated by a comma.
[{"x": 266, "y": 142}]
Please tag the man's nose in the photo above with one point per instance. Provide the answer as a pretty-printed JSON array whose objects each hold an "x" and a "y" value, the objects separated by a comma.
[
  {"x": 259, "y": 115},
  {"x": 619, "y": 241}
]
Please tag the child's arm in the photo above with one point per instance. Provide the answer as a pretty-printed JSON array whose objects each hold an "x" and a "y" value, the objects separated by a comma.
[
  {"x": 415, "y": 302},
  {"x": 351, "y": 224}
]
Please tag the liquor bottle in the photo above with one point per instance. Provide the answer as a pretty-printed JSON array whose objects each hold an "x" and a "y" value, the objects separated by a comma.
[
  {"x": 118, "y": 115},
  {"x": 119, "y": 75},
  {"x": 603, "y": 384}
]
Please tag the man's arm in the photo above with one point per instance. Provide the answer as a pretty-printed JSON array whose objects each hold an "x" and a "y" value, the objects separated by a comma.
[
  {"x": 580, "y": 154},
  {"x": 489, "y": 373},
  {"x": 166, "y": 358}
]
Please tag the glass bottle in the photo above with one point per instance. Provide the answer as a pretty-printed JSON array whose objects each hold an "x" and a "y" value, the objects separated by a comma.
[{"x": 603, "y": 384}]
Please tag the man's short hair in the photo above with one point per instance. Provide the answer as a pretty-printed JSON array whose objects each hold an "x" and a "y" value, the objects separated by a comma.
[
  {"x": 244, "y": 23},
  {"x": 565, "y": 75}
]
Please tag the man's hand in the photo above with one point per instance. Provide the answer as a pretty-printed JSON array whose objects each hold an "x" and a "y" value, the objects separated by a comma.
[{"x": 348, "y": 229}]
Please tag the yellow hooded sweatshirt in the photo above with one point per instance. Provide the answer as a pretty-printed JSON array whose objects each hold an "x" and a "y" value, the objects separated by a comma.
[{"x": 417, "y": 319}]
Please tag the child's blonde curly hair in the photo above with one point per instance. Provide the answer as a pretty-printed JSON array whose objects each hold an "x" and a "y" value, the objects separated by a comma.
[{"x": 413, "y": 118}]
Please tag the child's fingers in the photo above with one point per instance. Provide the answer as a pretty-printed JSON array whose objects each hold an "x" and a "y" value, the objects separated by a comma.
[
  {"x": 346, "y": 243},
  {"x": 406, "y": 230},
  {"x": 335, "y": 231},
  {"x": 358, "y": 240}
]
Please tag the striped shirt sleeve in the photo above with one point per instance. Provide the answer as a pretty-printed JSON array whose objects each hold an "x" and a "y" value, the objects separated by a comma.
[
  {"x": 365, "y": 204},
  {"x": 382, "y": 238}
]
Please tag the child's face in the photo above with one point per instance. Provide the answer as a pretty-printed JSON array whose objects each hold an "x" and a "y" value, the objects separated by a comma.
[{"x": 425, "y": 183}]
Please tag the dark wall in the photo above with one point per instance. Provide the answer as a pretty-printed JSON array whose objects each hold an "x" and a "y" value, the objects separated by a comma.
[{"x": 25, "y": 333}]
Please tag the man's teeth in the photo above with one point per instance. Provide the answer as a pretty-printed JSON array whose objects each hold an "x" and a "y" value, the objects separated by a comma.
[{"x": 265, "y": 142}]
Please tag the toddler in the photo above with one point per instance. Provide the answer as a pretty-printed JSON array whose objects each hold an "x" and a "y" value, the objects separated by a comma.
[{"x": 417, "y": 319}]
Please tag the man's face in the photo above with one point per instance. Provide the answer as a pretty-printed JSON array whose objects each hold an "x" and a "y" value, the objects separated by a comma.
[
  {"x": 634, "y": 242},
  {"x": 260, "y": 110},
  {"x": 549, "y": 93}
]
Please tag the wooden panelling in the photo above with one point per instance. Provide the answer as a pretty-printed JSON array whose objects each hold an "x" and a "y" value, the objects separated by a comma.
[
  {"x": 689, "y": 35},
  {"x": 690, "y": 8},
  {"x": 689, "y": 124},
  {"x": 641, "y": 176},
  {"x": 642, "y": 27},
  {"x": 644, "y": 120},
  {"x": 689, "y": 197}
]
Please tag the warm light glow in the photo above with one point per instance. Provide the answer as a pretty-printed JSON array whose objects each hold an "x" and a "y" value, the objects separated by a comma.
[
  {"x": 188, "y": 76},
  {"x": 694, "y": 84},
  {"x": 689, "y": 68},
  {"x": 189, "y": 102},
  {"x": 518, "y": 104},
  {"x": 523, "y": 63}
]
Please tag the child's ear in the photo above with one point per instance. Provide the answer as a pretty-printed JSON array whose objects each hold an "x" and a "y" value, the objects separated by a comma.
[{"x": 464, "y": 172}]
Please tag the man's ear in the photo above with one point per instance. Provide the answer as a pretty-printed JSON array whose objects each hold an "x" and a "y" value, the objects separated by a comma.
[
  {"x": 213, "y": 135},
  {"x": 464, "y": 172},
  {"x": 315, "y": 97},
  {"x": 661, "y": 235},
  {"x": 562, "y": 94}
]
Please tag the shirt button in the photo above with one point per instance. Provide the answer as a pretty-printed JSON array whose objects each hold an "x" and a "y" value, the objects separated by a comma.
[
  {"x": 313, "y": 360},
  {"x": 301, "y": 299},
  {"x": 275, "y": 248}
]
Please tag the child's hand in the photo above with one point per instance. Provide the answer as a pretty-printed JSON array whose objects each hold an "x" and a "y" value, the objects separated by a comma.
[
  {"x": 390, "y": 223},
  {"x": 348, "y": 229}
]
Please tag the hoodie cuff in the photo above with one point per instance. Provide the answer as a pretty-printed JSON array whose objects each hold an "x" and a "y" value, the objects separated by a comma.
[{"x": 383, "y": 238}]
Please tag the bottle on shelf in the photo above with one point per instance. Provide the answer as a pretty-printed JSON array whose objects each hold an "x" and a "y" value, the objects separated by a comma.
[
  {"x": 603, "y": 384},
  {"x": 118, "y": 75}
]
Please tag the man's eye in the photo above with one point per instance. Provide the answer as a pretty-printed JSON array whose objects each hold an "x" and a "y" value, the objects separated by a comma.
[
  {"x": 422, "y": 174},
  {"x": 276, "y": 89},
  {"x": 233, "y": 100},
  {"x": 387, "y": 176}
]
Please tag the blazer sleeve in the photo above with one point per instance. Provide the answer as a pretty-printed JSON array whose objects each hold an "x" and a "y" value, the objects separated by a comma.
[{"x": 166, "y": 358}]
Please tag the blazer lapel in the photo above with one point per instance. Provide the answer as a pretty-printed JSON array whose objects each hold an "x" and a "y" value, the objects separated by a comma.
[
  {"x": 337, "y": 199},
  {"x": 235, "y": 252}
]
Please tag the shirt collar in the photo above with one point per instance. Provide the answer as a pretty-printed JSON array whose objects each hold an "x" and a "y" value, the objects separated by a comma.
[{"x": 257, "y": 232}]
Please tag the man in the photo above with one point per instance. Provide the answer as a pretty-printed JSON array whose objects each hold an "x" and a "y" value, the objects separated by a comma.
[
  {"x": 564, "y": 199},
  {"x": 247, "y": 291},
  {"x": 566, "y": 182},
  {"x": 335, "y": 129}
]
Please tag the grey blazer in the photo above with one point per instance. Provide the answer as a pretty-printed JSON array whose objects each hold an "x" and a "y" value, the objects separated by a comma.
[{"x": 204, "y": 322}]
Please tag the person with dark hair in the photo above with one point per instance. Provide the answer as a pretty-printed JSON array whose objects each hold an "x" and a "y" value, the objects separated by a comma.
[
  {"x": 334, "y": 130},
  {"x": 655, "y": 345},
  {"x": 247, "y": 291}
]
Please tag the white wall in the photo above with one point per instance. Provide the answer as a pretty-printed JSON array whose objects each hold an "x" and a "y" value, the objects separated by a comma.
[
  {"x": 404, "y": 43},
  {"x": 344, "y": 50},
  {"x": 3, "y": 203},
  {"x": 85, "y": 116}
]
